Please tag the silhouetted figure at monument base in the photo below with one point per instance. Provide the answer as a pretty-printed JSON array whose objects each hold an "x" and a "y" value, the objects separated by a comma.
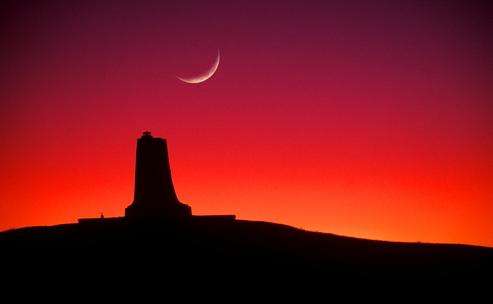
[{"x": 154, "y": 194}]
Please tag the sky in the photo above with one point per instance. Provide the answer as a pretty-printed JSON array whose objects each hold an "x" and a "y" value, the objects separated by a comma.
[{"x": 371, "y": 119}]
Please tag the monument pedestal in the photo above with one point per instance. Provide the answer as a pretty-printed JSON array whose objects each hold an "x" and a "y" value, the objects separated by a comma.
[{"x": 176, "y": 210}]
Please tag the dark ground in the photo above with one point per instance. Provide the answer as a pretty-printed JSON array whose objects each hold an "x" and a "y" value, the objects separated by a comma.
[{"x": 232, "y": 250}]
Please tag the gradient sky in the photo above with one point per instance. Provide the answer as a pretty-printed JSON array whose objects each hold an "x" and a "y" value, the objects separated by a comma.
[{"x": 365, "y": 118}]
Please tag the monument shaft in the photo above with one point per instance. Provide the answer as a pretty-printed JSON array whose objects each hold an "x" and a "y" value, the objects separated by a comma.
[{"x": 154, "y": 194}]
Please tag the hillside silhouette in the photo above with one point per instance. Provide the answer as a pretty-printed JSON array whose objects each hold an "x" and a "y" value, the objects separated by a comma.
[
  {"x": 209, "y": 245},
  {"x": 159, "y": 235}
]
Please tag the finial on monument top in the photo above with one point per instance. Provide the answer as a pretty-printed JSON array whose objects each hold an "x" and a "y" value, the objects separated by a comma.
[{"x": 147, "y": 133}]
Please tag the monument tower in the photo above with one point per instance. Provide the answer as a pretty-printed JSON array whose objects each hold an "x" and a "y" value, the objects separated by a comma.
[{"x": 154, "y": 193}]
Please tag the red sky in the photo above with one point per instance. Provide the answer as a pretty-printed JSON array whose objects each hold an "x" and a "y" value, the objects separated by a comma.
[{"x": 364, "y": 118}]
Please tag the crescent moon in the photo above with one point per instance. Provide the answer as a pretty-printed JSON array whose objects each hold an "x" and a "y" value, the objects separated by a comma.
[{"x": 204, "y": 76}]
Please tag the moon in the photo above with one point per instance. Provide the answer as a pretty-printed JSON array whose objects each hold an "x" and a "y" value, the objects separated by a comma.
[{"x": 204, "y": 76}]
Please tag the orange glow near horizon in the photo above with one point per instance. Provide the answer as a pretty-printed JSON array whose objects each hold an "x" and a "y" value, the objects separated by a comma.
[{"x": 372, "y": 121}]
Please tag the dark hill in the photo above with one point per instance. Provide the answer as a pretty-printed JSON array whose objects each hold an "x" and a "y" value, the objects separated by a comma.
[{"x": 230, "y": 248}]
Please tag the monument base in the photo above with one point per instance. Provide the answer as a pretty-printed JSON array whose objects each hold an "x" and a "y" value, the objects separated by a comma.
[
  {"x": 191, "y": 219},
  {"x": 175, "y": 210}
]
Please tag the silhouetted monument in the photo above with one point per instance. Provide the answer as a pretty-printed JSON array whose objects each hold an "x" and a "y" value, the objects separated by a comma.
[{"x": 154, "y": 194}]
